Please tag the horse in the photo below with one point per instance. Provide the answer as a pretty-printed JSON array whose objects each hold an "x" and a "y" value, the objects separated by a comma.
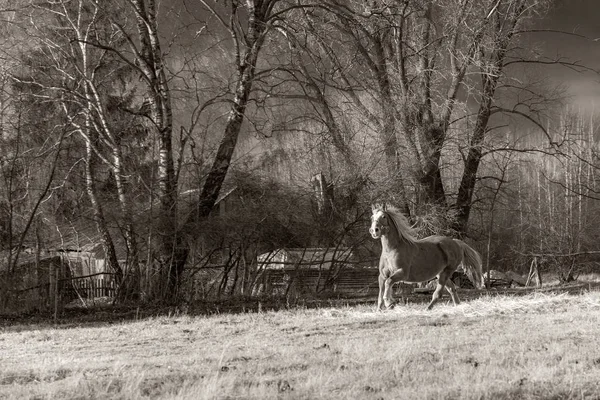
[{"x": 404, "y": 258}]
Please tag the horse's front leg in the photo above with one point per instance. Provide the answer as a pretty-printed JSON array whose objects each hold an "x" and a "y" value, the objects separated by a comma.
[
  {"x": 389, "y": 283},
  {"x": 381, "y": 289}
]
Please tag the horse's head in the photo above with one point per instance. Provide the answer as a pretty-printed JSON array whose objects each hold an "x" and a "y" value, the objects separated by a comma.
[{"x": 380, "y": 222}]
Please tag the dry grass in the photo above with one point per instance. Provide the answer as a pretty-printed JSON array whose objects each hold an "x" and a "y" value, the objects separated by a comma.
[{"x": 537, "y": 346}]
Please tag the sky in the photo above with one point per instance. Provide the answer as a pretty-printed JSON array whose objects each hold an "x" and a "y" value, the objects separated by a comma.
[{"x": 579, "y": 17}]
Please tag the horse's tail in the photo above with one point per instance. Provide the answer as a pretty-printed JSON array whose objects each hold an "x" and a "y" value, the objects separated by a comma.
[{"x": 472, "y": 264}]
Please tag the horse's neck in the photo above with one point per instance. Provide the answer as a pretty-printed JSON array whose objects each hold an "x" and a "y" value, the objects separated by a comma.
[{"x": 391, "y": 241}]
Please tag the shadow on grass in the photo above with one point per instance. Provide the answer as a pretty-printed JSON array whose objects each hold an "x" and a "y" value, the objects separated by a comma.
[
  {"x": 117, "y": 313},
  {"x": 109, "y": 314}
]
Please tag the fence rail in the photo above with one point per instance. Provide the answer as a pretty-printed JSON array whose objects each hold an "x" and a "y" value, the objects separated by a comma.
[
  {"x": 57, "y": 292},
  {"x": 90, "y": 288}
]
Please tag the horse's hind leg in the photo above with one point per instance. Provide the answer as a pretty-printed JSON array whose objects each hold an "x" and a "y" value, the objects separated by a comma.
[
  {"x": 451, "y": 288},
  {"x": 437, "y": 294}
]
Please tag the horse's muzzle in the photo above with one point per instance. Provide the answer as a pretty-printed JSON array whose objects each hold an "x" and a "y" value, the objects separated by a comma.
[{"x": 375, "y": 232}]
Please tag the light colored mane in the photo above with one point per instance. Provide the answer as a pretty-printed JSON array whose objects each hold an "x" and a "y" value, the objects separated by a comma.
[{"x": 402, "y": 224}]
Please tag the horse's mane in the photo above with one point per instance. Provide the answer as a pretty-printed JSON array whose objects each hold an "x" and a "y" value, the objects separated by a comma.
[{"x": 401, "y": 223}]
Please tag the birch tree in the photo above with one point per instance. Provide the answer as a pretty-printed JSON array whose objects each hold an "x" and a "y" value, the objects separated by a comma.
[{"x": 78, "y": 42}]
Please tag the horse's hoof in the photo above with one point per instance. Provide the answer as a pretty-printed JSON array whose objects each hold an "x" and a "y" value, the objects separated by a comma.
[{"x": 390, "y": 306}]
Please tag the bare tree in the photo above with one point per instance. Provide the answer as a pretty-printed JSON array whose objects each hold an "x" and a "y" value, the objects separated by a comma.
[
  {"x": 389, "y": 54},
  {"x": 505, "y": 19},
  {"x": 138, "y": 47},
  {"x": 248, "y": 26},
  {"x": 29, "y": 172},
  {"x": 78, "y": 44}
]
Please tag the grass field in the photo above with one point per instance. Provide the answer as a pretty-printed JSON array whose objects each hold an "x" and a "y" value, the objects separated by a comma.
[{"x": 536, "y": 346}]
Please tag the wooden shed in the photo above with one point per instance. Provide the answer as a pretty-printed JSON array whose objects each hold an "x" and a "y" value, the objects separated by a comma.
[{"x": 41, "y": 278}]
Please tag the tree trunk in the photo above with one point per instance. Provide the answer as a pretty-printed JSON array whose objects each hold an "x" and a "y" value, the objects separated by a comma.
[
  {"x": 432, "y": 134},
  {"x": 130, "y": 287},
  {"x": 97, "y": 212},
  {"x": 392, "y": 149},
  {"x": 257, "y": 17},
  {"x": 432, "y": 186},
  {"x": 490, "y": 77},
  {"x": 467, "y": 183},
  {"x": 151, "y": 65}
]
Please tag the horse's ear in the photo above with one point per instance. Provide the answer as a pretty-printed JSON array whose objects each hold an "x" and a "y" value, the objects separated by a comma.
[
  {"x": 373, "y": 208},
  {"x": 384, "y": 207}
]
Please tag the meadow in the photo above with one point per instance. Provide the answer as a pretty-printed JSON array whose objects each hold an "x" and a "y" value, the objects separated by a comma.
[{"x": 534, "y": 346}]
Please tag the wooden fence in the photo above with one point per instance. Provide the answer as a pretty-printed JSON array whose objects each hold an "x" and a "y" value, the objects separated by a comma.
[
  {"x": 56, "y": 292},
  {"x": 91, "y": 287},
  {"x": 348, "y": 282}
]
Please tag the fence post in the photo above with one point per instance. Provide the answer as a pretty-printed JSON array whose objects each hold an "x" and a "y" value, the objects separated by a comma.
[{"x": 56, "y": 277}]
